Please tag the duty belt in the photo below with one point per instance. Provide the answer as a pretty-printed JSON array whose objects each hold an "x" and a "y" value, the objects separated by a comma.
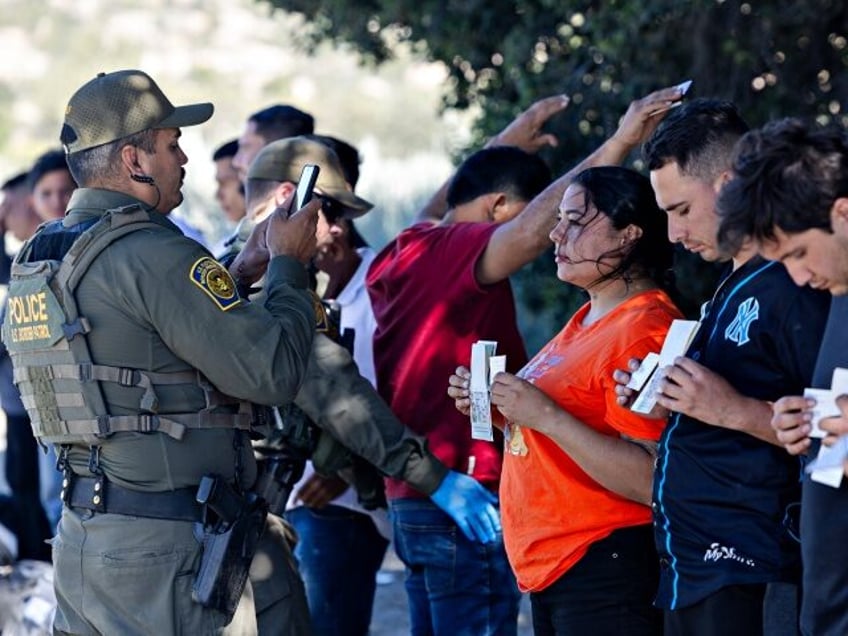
[{"x": 99, "y": 495}]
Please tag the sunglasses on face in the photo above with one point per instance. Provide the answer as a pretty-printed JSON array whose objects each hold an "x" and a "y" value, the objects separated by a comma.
[{"x": 333, "y": 210}]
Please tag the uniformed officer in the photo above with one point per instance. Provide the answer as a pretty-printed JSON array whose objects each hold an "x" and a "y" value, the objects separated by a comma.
[
  {"x": 136, "y": 356},
  {"x": 334, "y": 395}
]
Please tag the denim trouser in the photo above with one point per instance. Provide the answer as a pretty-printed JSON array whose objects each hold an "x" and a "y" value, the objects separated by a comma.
[
  {"x": 456, "y": 587},
  {"x": 339, "y": 552}
]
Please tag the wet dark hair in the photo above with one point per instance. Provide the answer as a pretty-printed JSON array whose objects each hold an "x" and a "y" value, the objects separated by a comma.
[
  {"x": 50, "y": 161},
  {"x": 281, "y": 121},
  {"x": 226, "y": 150},
  {"x": 787, "y": 175},
  {"x": 699, "y": 137},
  {"x": 626, "y": 198},
  {"x": 500, "y": 169}
]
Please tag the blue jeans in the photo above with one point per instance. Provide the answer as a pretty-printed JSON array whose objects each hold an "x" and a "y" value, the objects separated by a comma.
[
  {"x": 339, "y": 553},
  {"x": 456, "y": 587}
]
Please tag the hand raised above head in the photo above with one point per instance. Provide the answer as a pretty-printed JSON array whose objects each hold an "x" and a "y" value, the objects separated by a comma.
[
  {"x": 644, "y": 115},
  {"x": 525, "y": 131}
]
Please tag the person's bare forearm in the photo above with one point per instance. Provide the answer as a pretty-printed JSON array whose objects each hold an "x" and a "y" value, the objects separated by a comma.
[
  {"x": 753, "y": 417},
  {"x": 526, "y": 237},
  {"x": 621, "y": 466}
]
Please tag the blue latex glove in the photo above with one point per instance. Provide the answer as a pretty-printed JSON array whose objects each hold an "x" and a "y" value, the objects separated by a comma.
[{"x": 470, "y": 505}]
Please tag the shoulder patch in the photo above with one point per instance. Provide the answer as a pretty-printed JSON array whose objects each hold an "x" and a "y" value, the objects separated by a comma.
[{"x": 214, "y": 279}]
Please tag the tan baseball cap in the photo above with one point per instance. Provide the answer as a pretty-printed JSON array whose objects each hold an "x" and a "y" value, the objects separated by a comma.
[
  {"x": 119, "y": 104},
  {"x": 283, "y": 160}
]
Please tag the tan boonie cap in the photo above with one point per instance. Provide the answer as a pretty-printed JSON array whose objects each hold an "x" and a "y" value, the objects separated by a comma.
[
  {"x": 119, "y": 104},
  {"x": 283, "y": 160}
]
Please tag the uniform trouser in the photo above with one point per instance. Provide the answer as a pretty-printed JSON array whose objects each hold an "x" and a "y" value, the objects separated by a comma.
[
  {"x": 278, "y": 592},
  {"x": 116, "y": 574}
]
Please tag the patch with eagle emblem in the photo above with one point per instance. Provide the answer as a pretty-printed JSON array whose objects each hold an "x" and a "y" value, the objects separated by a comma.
[{"x": 214, "y": 279}]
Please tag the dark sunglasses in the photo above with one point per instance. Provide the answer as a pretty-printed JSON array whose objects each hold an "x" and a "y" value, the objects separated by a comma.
[{"x": 331, "y": 208}]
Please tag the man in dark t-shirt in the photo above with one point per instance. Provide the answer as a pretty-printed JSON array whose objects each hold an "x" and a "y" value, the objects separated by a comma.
[
  {"x": 722, "y": 483},
  {"x": 790, "y": 194}
]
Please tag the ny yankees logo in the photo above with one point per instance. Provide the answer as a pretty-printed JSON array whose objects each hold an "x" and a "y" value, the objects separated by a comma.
[{"x": 748, "y": 312}]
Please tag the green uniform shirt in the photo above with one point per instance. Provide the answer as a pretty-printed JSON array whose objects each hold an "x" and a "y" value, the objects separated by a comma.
[
  {"x": 149, "y": 310},
  {"x": 344, "y": 404}
]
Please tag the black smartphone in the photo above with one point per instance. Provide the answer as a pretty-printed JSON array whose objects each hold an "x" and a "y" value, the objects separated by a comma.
[{"x": 308, "y": 177}]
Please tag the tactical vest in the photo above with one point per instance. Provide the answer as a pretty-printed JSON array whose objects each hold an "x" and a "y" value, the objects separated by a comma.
[{"x": 60, "y": 386}]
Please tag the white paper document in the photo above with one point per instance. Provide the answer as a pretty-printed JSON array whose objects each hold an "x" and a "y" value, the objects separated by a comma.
[
  {"x": 482, "y": 360},
  {"x": 828, "y": 466},
  {"x": 825, "y": 407},
  {"x": 497, "y": 364},
  {"x": 677, "y": 341},
  {"x": 641, "y": 375}
]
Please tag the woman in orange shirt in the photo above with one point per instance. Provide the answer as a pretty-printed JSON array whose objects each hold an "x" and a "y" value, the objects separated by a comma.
[{"x": 576, "y": 487}]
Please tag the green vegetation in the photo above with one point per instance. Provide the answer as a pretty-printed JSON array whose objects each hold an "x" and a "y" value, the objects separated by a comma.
[
  {"x": 772, "y": 58},
  {"x": 240, "y": 55},
  {"x": 491, "y": 59}
]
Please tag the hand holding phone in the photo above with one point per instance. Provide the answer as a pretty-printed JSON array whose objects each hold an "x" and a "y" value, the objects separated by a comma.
[{"x": 305, "y": 185}]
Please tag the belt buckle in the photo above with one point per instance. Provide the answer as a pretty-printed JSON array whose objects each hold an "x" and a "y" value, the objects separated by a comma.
[{"x": 148, "y": 423}]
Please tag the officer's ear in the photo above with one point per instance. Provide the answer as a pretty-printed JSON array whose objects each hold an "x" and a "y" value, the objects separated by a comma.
[
  {"x": 282, "y": 192},
  {"x": 129, "y": 160}
]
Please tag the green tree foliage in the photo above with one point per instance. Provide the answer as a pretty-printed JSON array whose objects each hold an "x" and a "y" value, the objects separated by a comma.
[{"x": 772, "y": 58}]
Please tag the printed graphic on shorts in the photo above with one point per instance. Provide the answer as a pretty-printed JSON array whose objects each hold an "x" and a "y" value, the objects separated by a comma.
[{"x": 717, "y": 552}]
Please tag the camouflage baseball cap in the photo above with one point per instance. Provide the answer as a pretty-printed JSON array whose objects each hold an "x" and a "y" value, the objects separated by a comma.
[
  {"x": 119, "y": 104},
  {"x": 283, "y": 160}
]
